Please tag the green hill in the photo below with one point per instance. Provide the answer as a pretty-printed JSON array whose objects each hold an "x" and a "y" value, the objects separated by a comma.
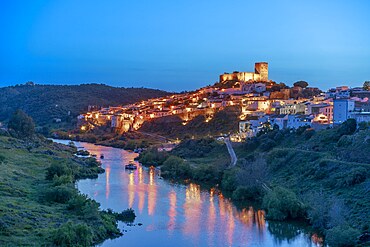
[
  {"x": 40, "y": 205},
  {"x": 322, "y": 177},
  {"x": 44, "y": 103}
]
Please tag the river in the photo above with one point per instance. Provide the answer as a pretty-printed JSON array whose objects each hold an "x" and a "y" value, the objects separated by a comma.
[{"x": 179, "y": 215}]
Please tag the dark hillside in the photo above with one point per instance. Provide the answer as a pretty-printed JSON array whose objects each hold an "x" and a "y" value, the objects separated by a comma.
[
  {"x": 223, "y": 122},
  {"x": 47, "y": 102}
]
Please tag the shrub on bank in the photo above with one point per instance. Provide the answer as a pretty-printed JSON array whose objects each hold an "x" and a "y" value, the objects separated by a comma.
[
  {"x": 243, "y": 193},
  {"x": 64, "y": 179},
  {"x": 57, "y": 169},
  {"x": 152, "y": 157},
  {"x": 77, "y": 203},
  {"x": 127, "y": 215},
  {"x": 282, "y": 204},
  {"x": 207, "y": 173},
  {"x": 175, "y": 167},
  {"x": 73, "y": 235},
  {"x": 197, "y": 148},
  {"x": 342, "y": 236},
  {"x": 61, "y": 194},
  {"x": 229, "y": 179}
]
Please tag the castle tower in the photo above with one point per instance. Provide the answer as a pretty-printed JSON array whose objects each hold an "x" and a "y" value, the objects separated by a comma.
[{"x": 262, "y": 69}]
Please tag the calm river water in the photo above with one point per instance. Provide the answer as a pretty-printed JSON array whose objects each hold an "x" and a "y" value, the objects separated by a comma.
[{"x": 179, "y": 215}]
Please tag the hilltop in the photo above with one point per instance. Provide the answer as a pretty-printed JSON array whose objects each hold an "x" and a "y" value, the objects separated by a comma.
[{"x": 58, "y": 105}]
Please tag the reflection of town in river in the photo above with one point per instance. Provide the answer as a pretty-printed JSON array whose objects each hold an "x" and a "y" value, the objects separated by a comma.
[{"x": 180, "y": 215}]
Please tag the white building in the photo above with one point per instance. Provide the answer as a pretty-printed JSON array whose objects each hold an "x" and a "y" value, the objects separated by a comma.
[
  {"x": 360, "y": 116},
  {"x": 342, "y": 109},
  {"x": 290, "y": 121}
]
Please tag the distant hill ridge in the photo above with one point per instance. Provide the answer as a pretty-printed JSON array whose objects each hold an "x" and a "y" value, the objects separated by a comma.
[{"x": 45, "y": 103}]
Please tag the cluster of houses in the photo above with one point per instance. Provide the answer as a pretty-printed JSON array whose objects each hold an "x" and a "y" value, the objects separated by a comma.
[
  {"x": 321, "y": 111},
  {"x": 262, "y": 102}
]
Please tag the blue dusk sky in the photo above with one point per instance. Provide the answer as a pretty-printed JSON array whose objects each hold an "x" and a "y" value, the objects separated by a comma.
[{"x": 183, "y": 45}]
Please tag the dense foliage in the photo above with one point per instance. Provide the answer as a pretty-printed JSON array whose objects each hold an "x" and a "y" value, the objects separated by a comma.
[
  {"x": 197, "y": 148},
  {"x": 21, "y": 124}
]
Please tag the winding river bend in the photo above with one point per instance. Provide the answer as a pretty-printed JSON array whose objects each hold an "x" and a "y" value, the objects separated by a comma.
[{"x": 179, "y": 215}]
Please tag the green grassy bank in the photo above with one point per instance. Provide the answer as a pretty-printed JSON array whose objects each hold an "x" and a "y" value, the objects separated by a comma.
[{"x": 40, "y": 205}]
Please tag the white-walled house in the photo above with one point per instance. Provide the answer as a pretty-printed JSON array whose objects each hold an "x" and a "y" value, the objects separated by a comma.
[
  {"x": 290, "y": 121},
  {"x": 342, "y": 109},
  {"x": 360, "y": 116}
]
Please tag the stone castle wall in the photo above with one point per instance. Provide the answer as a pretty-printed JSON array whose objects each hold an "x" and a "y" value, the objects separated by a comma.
[{"x": 260, "y": 74}]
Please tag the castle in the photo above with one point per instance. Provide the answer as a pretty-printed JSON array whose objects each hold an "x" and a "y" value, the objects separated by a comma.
[{"x": 260, "y": 74}]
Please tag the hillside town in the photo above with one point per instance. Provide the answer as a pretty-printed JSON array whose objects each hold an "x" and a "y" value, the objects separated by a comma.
[{"x": 263, "y": 103}]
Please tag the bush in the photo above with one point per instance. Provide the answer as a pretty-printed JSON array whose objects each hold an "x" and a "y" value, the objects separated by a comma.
[
  {"x": 206, "y": 173},
  {"x": 22, "y": 124},
  {"x": 282, "y": 204},
  {"x": 348, "y": 127},
  {"x": 73, "y": 235},
  {"x": 2, "y": 158},
  {"x": 308, "y": 133},
  {"x": 152, "y": 157},
  {"x": 64, "y": 179},
  {"x": 127, "y": 215},
  {"x": 196, "y": 148},
  {"x": 229, "y": 180},
  {"x": 57, "y": 169},
  {"x": 77, "y": 202},
  {"x": 355, "y": 176},
  {"x": 243, "y": 193},
  {"x": 342, "y": 236},
  {"x": 175, "y": 167},
  {"x": 252, "y": 144},
  {"x": 130, "y": 145},
  {"x": 60, "y": 194},
  {"x": 267, "y": 145}
]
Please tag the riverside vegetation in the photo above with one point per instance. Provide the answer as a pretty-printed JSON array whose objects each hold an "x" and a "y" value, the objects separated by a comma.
[
  {"x": 40, "y": 205},
  {"x": 320, "y": 177}
]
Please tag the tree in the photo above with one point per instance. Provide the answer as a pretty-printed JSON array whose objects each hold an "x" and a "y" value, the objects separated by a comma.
[
  {"x": 22, "y": 124},
  {"x": 366, "y": 85},
  {"x": 348, "y": 127},
  {"x": 175, "y": 167},
  {"x": 302, "y": 84}
]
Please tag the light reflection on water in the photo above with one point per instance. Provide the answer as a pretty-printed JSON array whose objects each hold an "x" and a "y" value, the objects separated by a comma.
[{"x": 179, "y": 215}]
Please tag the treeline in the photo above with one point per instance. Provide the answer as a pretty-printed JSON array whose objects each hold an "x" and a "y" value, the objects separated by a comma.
[{"x": 190, "y": 160}]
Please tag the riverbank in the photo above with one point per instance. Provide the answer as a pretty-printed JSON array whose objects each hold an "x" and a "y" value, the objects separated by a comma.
[
  {"x": 102, "y": 136},
  {"x": 39, "y": 203},
  {"x": 320, "y": 177}
]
